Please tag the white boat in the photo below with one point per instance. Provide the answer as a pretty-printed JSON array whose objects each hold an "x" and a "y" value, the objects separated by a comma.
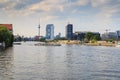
[
  {"x": 118, "y": 45},
  {"x": 17, "y": 43}
]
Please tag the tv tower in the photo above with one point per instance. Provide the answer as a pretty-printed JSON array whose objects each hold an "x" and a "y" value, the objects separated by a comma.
[{"x": 39, "y": 29}]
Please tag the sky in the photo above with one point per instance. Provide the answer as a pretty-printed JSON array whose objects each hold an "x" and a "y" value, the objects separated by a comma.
[{"x": 85, "y": 15}]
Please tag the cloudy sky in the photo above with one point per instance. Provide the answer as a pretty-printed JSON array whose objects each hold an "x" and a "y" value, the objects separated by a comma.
[{"x": 85, "y": 15}]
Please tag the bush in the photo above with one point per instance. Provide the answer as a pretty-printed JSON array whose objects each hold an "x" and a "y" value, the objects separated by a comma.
[
  {"x": 110, "y": 40},
  {"x": 93, "y": 41},
  {"x": 43, "y": 40}
]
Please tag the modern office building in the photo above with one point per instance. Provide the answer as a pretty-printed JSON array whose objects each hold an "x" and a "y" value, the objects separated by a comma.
[
  {"x": 8, "y": 26},
  {"x": 50, "y": 31},
  {"x": 118, "y": 34},
  {"x": 79, "y": 36},
  {"x": 69, "y": 31}
]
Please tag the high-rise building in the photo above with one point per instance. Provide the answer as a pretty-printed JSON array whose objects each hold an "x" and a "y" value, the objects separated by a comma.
[
  {"x": 69, "y": 31},
  {"x": 118, "y": 34},
  {"x": 50, "y": 32}
]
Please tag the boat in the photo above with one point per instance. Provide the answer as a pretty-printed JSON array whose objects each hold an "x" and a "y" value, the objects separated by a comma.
[
  {"x": 118, "y": 45},
  {"x": 17, "y": 43},
  {"x": 47, "y": 44}
]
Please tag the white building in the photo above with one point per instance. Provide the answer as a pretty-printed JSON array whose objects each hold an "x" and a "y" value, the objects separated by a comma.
[
  {"x": 50, "y": 31},
  {"x": 109, "y": 35}
]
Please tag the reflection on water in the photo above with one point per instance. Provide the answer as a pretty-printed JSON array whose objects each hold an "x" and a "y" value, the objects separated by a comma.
[
  {"x": 66, "y": 62},
  {"x": 6, "y": 64}
]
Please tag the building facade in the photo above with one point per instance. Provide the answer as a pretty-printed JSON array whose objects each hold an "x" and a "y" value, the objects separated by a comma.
[
  {"x": 118, "y": 34},
  {"x": 109, "y": 35},
  {"x": 69, "y": 31},
  {"x": 50, "y": 32},
  {"x": 81, "y": 35}
]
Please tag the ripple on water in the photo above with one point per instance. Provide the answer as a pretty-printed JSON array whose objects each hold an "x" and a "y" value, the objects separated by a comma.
[{"x": 68, "y": 62}]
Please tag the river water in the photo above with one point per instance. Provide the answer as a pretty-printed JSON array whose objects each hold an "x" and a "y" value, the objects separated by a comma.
[{"x": 66, "y": 62}]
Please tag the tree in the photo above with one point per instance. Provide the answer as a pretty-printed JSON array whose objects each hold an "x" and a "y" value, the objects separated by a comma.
[
  {"x": 43, "y": 40},
  {"x": 89, "y": 36},
  {"x": 96, "y": 37},
  {"x": 6, "y": 36}
]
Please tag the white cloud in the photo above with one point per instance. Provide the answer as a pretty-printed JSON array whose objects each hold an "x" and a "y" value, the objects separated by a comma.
[
  {"x": 47, "y": 6},
  {"x": 41, "y": 6},
  {"x": 99, "y": 3},
  {"x": 48, "y": 18},
  {"x": 82, "y": 2},
  {"x": 85, "y": 14},
  {"x": 109, "y": 11},
  {"x": 3, "y": 1}
]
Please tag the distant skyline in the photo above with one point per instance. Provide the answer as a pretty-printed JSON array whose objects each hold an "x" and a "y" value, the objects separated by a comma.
[{"x": 85, "y": 15}]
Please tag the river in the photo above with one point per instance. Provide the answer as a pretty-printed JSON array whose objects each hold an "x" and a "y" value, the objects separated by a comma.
[{"x": 66, "y": 62}]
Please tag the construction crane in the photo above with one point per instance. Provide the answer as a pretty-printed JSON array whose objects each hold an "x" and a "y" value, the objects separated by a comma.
[{"x": 107, "y": 30}]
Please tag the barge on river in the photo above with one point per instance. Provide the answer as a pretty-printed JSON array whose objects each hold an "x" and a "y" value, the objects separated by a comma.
[{"x": 47, "y": 44}]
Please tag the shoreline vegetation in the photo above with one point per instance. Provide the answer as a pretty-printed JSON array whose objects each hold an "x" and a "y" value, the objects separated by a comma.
[
  {"x": 6, "y": 38},
  {"x": 97, "y": 43}
]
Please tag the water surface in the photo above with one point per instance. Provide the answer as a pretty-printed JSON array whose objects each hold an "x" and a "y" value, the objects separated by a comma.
[{"x": 66, "y": 62}]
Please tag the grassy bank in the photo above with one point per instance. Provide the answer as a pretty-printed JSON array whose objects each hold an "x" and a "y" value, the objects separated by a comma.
[{"x": 98, "y": 43}]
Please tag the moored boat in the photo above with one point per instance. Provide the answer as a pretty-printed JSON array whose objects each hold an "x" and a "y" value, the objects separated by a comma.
[{"x": 17, "y": 43}]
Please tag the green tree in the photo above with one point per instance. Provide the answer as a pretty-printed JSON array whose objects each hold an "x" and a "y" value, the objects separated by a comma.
[
  {"x": 6, "y": 36},
  {"x": 43, "y": 40},
  {"x": 92, "y": 37},
  {"x": 89, "y": 36},
  {"x": 96, "y": 37}
]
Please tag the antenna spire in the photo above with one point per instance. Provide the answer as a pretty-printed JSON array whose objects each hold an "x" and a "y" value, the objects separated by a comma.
[{"x": 39, "y": 28}]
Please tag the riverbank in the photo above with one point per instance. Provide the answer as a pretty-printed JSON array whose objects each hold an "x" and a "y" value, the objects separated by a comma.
[
  {"x": 68, "y": 42},
  {"x": 101, "y": 44},
  {"x": 98, "y": 43}
]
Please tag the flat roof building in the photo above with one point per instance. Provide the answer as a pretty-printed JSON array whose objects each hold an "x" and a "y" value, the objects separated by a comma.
[{"x": 109, "y": 35}]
